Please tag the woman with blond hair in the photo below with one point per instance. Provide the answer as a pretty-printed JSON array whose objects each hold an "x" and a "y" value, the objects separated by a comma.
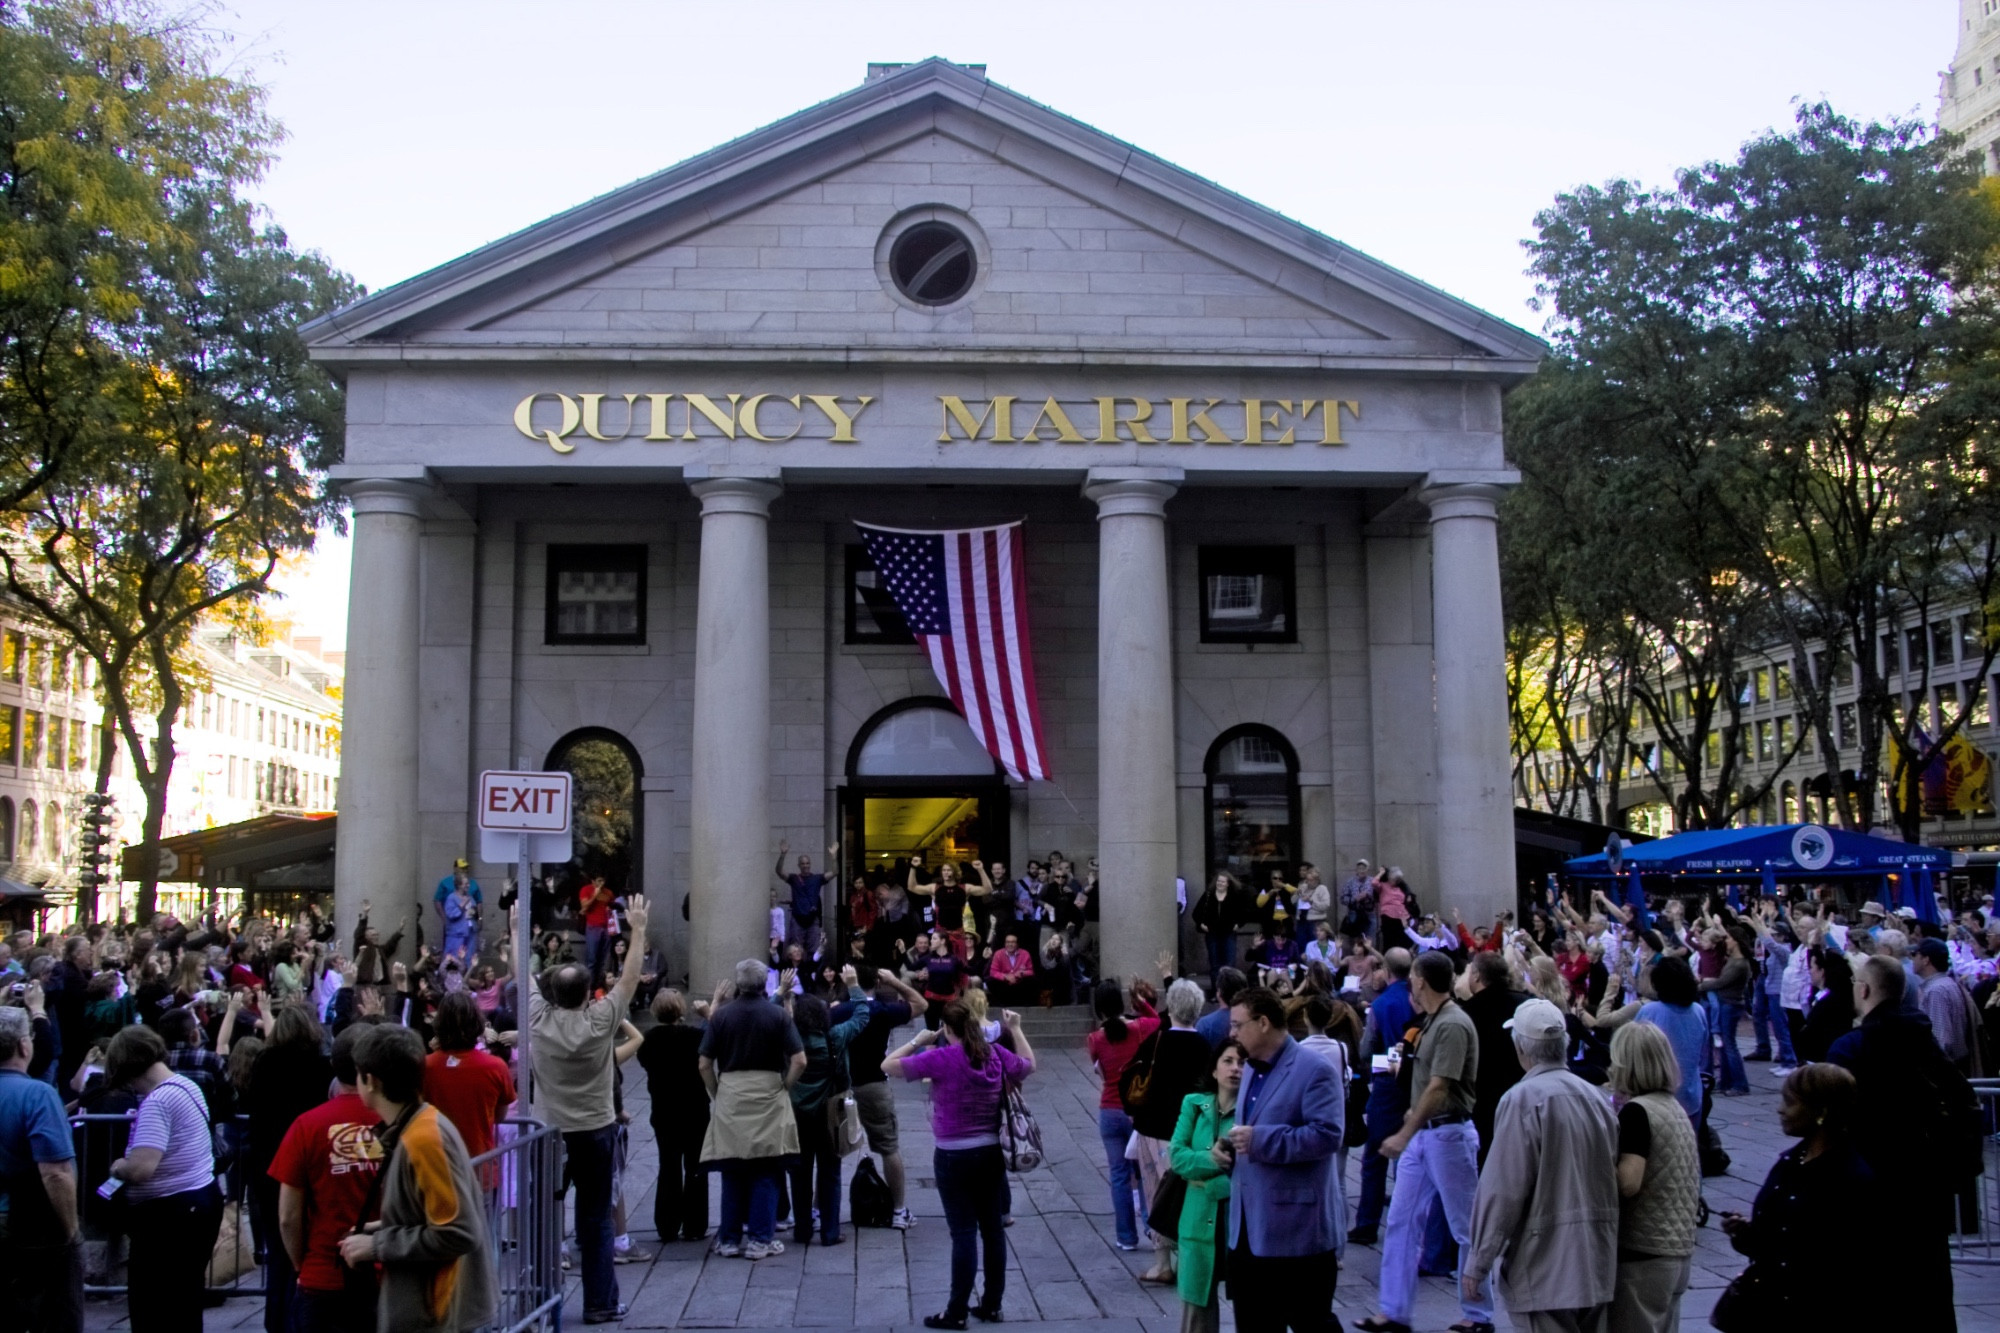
[{"x": 1659, "y": 1182}]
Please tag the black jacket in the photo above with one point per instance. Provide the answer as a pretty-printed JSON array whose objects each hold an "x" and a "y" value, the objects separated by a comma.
[
  {"x": 1801, "y": 1240},
  {"x": 1499, "y": 1067},
  {"x": 1826, "y": 1022},
  {"x": 1182, "y": 1062}
]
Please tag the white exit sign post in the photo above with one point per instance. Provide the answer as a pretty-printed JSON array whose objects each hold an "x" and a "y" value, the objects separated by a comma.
[{"x": 524, "y": 817}]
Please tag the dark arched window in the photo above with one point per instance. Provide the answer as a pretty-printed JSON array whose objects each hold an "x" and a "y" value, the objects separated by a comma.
[
  {"x": 604, "y": 825},
  {"x": 6, "y": 828},
  {"x": 1253, "y": 803},
  {"x": 918, "y": 738}
]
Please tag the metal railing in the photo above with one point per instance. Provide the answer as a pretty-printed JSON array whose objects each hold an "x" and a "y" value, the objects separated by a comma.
[
  {"x": 518, "y": 1178},
  {"x": 1975, "y": 1234},
  {"x": 236, "y": 1265},
  {"x": 524, "y": 1225}
]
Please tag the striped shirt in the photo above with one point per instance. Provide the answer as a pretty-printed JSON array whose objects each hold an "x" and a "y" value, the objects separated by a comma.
[{"x": 173, "y": 1119}]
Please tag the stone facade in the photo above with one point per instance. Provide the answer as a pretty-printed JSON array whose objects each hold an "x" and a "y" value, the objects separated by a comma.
[
  {"x": 717, "y": 364},
  {"x": 1969, "y": 88}
]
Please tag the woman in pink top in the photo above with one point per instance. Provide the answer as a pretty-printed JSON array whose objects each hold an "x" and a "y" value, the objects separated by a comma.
[
  {"x": 1112, "y": 1047},
  {"x": 1393, "y": 903},
  {"x": 969, "y": 1079}
]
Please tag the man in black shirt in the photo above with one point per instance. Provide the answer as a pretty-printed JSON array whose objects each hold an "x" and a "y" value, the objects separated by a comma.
[
  {"x": 1491, "y": 1005},
  {"x": 750, "y": 1057},
  {"x": 895, "y": 1004}
]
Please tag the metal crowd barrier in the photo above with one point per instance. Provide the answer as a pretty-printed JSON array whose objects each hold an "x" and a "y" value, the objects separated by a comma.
[
  {"x": 524, "y": 1219},
  {"x": 524, "y": 1224},
  {"x": 236, "y": 1264},
  {"x": 1979, "y": 1243}
]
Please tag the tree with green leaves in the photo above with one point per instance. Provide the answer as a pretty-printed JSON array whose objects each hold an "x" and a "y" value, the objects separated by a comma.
[
  {"x": 199, "y": 461},
  {"x": 1769, "y": 422}
]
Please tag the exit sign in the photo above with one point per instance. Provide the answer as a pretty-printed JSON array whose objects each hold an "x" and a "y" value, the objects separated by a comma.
[{"x": 524, "y": 802}]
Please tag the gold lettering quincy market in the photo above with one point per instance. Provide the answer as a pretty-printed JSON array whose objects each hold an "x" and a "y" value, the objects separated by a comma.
[
  {"x": 768, "y": 418},
  {"x": 1236, "y": 421}
]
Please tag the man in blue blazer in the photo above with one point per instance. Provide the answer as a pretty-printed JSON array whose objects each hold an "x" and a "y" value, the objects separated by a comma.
[{"x": 1285, "y": 1228}]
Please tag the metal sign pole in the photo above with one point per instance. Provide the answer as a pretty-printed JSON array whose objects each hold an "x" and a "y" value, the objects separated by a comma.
[{"x": 523, "y": 928}]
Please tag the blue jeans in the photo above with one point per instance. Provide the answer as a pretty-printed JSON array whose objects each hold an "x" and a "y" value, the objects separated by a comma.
[
  {"x": 750, "y": 1202},
  {"x": 1221, "y": 950},
  {"x": 1382, "y": 1119},
  {"x": 1768, "y": 1016},
  {"x": 596, "y": 951},
  {"x": 1440, "y": 1165},
  {"x": 592, "y": 1164},
  {"x": 1115, "y": 1128},
  {"x": 1734, "y": 1077},
  {"x": 969, "y": 1182}
]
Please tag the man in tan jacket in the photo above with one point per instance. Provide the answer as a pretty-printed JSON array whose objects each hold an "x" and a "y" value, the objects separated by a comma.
[{"x": 1547, "y": 1207}]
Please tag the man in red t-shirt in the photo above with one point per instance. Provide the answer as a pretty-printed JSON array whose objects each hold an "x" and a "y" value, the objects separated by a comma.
[
  {"x": 594, "y": 903},
  {"x": 325, "y": 1169},
  {"x": 471, "y": 1088}
]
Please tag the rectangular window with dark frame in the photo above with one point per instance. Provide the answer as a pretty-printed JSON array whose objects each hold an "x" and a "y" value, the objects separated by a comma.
[
  {"x": 872, "y": 616},
  {"x": 1249, "y": 594},
  {"x": 596, "y": 595}
]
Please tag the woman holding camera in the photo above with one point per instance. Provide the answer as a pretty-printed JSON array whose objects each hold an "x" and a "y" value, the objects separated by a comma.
[{"x": 168, "y": 1172}]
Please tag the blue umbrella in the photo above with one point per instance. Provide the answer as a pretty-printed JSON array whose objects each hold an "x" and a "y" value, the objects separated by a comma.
[
  {"x": 1926, "y": 904},
  {"x": 1635, "y": 898}
]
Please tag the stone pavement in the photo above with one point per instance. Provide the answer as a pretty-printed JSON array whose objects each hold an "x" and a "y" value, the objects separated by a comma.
[{"x": 1063, "y": 1270}]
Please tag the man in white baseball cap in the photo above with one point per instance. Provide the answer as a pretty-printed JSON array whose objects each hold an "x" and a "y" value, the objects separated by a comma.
[{"x": 1547, "y": 1208}]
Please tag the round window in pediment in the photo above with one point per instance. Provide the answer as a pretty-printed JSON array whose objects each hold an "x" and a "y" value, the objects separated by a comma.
[{"x": 933, "y": 263}]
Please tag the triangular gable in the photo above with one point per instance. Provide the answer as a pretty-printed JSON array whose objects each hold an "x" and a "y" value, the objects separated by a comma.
[{"x": 1205, "y": 269}]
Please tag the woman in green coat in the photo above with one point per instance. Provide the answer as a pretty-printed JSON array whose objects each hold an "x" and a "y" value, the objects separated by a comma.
[{"x": 1206, "y": 1117}]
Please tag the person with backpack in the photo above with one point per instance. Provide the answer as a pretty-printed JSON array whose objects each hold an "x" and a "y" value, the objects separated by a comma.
[
  {"x": 1112, "y": 1047},
  {"x": 891, "y": 1004},
  {"x": 969, "y": 1081},
  {"x": 825, "y": 1078},
  {"x": 1918, "y": 1127}
]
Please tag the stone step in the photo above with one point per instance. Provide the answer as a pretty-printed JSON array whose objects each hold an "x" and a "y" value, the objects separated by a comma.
[{"x": 1067, "y": 1025}]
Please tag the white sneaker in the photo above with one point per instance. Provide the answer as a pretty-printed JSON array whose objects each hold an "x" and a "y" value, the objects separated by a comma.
[
  {"x": 728, "y": 1249},
  {"x": 1783, "y": 1071},
  {"x": 759, "y": 1250},
  {"x": 902, "y": 1219}
]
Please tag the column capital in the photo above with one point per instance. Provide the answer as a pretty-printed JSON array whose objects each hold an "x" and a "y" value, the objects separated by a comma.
[
  {"x": 1144, "y": 491},
  {"x": 386, "y": 495},
  {"x": 1462, "y": 500},
  {"x": 741, "y": 491}
]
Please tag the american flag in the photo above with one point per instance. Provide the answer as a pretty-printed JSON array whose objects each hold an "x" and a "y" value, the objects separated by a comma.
[{"x": 964, "y": 594}]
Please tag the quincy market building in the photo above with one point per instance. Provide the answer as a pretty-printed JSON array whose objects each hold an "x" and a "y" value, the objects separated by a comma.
[{"x": 605, "y": 475}]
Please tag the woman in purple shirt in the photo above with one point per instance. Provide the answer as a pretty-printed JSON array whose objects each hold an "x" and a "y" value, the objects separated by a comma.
[{"x": 968, "y": 1078}]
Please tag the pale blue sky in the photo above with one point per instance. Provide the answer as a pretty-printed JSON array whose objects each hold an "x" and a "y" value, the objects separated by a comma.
[{"x": 1424, "y": 133}]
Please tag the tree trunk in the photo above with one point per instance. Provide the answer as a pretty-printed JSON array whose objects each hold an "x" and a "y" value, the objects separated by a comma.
[{"x": 155, "y": 784}]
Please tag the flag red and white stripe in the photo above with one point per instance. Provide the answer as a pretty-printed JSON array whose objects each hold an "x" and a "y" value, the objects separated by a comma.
[{"x": 964, "y": 595}]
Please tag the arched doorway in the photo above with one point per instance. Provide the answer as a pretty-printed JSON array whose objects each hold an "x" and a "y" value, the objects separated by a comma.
[
  {"x": 605, "y": 826},
  {"x": 919, "y": 782},
  {"x": 1253, "y": 803}
]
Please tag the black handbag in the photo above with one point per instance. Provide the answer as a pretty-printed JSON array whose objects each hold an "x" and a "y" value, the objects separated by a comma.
[
  {"x": 1164, "y": 1216},
  {"x": 1747, "y": 1305}
]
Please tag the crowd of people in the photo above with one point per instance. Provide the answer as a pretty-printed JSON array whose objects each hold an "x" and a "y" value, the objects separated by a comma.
[
  {"x": 1543, "y": 1088},
  {"x": 1544, "y": 1091}
]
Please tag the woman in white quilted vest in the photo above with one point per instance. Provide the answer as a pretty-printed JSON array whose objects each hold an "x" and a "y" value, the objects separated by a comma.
[{"x": 1659, "y": 1183}]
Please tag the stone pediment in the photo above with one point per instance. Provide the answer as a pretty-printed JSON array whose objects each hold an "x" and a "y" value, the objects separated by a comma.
[{"x": 773, "y": 245}]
